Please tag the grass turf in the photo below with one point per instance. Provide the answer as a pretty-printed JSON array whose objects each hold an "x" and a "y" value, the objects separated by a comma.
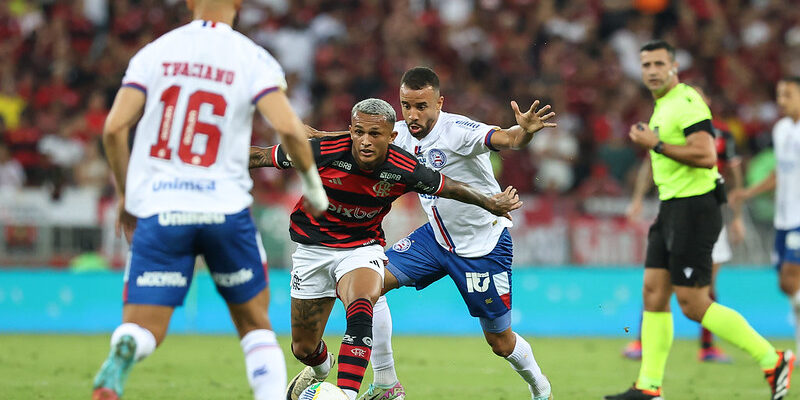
[{"x": 431, "y": 368}]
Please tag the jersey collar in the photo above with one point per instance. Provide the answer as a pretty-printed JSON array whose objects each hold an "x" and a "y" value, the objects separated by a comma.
[{"x": 211, "y": 25}]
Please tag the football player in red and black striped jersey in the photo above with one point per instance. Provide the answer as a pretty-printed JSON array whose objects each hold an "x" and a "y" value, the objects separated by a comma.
[{"x": 340, "y": 253}]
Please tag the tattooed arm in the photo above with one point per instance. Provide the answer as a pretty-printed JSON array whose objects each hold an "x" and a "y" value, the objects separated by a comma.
[{"x": 261, "y": 157}]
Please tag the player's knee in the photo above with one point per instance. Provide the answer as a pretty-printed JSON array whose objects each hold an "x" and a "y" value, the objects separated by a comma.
[
  {"x": 303, "y": 349},
  {"x": 692, "y": 307},
  {"x": 788, "y": 285},
  {"x": 502, "y": 345}
]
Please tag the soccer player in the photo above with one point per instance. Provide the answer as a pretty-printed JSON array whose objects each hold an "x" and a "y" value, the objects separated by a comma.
[
  {"x": 184, "y": 187},
  {"x": 681, "y": 239},
  {"x": 470, "y": 245},
  {"x": 785, "y": 179},
  {"x": 341, "y": 252},
  {"x": 727, "y": 160}
]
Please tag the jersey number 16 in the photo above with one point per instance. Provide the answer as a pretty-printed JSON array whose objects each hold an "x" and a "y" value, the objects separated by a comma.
[{"x": 191, "y": 127}]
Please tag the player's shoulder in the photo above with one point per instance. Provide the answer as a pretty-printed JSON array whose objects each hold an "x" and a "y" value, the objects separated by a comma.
[
  {"x": 689, "y": 97},
  {"x": 784, "y": 124}
]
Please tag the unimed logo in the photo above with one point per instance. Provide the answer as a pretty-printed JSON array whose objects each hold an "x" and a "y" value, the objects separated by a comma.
[
  {"x": 477, "y": 282},
  {"x": 161, "y": 279},
  {"x": 234, "y": 278}
]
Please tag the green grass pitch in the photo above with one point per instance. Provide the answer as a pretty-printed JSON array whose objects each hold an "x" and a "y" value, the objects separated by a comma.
[{"x": 431, "y": 368}]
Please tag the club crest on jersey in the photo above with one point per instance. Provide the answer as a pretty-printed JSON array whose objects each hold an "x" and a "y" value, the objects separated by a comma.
[
  {"x": 382, "y": 188},
  {"x": 402, "y": 246},
  {"x": 436, "y": 158}
]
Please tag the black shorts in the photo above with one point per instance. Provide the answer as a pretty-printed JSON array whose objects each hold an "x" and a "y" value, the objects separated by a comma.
[{"x": 682, "y": 238}]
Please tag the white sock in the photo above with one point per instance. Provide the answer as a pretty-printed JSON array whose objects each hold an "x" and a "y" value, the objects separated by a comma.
[
  {"x": 350, "y": 394},
  {"x": 522, "y": 360},
  {"x": 145, "y": 341},
  {"x": 795, "y": 300},
  {"x": 323, "y": 370},
  {"x": 266, "y": 369},
  {"x": 381, "y": 357}
]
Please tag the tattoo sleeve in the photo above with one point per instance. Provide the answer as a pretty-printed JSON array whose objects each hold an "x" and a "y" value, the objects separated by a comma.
[{"x": 260, "y": 157}]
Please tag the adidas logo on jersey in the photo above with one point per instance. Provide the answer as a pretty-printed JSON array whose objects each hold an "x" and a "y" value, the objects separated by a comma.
[{"x": 335, "y": 181}]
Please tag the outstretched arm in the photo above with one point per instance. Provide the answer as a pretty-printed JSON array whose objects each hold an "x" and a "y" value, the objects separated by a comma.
[
  {"x": 500, "y": 204},
  {"x": 530, "y": 122},
  {"x": 313, "y": 133},
  {"x": 261, "y": 157},
  {"x": 738, "y": 196}
]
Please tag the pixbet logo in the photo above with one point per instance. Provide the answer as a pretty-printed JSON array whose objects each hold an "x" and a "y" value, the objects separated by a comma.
[
  {"x": 355, "y": 212},
  {"x": 477, "y": 282}
]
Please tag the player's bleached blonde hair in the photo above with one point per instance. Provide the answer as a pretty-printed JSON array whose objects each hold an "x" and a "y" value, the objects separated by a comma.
[{"x": 374, "y": 106}]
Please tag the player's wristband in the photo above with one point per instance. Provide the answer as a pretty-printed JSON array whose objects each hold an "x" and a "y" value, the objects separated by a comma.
[
  {"x": 313, "y": 190},
  {"x": 659, "y": 147}
]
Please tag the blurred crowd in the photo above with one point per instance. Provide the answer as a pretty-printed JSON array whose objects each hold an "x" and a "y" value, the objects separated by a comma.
[{"x": 61, "y": 63}]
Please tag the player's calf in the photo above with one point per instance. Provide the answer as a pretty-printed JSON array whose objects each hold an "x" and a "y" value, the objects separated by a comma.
[{"x": 356, "y": 347}]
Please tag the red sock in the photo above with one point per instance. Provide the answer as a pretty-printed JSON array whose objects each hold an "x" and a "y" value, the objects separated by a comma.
[{"x": 356, "y": 345}]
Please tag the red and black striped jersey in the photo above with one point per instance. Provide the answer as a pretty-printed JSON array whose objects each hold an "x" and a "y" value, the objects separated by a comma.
[
  {"x": 725, "y": 145},
  {"x": 358, "y": 199}
]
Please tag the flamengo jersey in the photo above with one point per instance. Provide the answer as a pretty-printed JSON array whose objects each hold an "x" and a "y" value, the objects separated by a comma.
[
  {"x": 786, "y": 141},
  {"x": 190, "y": 152},
  {"x": 358, "y": 199},
  {"x": 459, "y": 148}
]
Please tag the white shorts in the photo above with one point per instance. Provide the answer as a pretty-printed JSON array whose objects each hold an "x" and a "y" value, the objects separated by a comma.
[
  {"x": 317, "y": 269},
  {"x": 722, "y": 252}
]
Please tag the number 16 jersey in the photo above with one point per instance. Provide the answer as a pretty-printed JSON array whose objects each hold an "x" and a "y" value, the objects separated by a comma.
[{"x": 190, "y": 151}]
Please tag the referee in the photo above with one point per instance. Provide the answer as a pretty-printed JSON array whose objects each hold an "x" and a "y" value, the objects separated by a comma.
[{"x": 689, "y": 221}]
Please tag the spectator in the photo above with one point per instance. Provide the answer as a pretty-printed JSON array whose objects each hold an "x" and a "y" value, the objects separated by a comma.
[{"x": 12, "y": 176}]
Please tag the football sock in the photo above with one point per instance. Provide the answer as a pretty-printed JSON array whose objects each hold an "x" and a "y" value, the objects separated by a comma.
[
  {"x": 318, "y": 361},
  {"x": 145, "y": 341},
  {"x": 657, "y": 336},
  {"x": 795, "y": 301},
  {"x": 356, "y": 347},
  {"x": 381, "y": 359},
  {"x": 731, "y": 326},
  {"x": 266, "y": 368},
  {"x": 706, "y": 337},
  {"x": 522, "y": 360}
]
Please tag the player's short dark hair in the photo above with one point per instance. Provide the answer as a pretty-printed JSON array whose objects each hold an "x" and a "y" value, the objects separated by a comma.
[
  {"x": 420, "y": 77},
  {"x": 657, "y": 44},
  {"x": 791, "y": 79}
]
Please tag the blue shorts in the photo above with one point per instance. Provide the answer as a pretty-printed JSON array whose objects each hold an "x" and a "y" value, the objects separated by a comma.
[
  {"x": 787, "y": 246},
  {"x": 163, "y": 251},
  {"x": 484, "y": 282}
]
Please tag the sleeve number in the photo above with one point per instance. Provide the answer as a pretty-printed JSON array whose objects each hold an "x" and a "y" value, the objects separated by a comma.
[{"x": 191, "y": 127}]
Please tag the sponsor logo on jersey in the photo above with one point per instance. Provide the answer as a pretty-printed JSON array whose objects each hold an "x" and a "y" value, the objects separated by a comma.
[
  {"x": 390, "y": 176},
  {"x": 181, "y": 184},
  {"x": 198, "y": 70},
  {"x": 793, "y": 240},
  {"x": 296, "y": 282},
  {"x": 190, "y": 218},
  {"x": 234, "y": 278},
  {"x": 161, "y": 279},
  {"x": 424, "y": 188},
  {"x": 468, "y": 124},
  {"x": 342, "y": 164},
  {"x": 477, "y": 282},
  {"x": 358, "y": 352},
  {"x": 382, "y": 188},
  {"x": 437, "y": 158},
  {"x": 335, "y": 181},
  {"x": 354, "y": 212},
  {"x": 402, "y": 246},
  {"x": 367, "y": 341}
]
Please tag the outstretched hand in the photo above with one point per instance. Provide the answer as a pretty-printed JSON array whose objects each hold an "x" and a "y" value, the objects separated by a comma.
[
  {"x": 533, "y": 120},
  {"x": 505, "y": 202}
]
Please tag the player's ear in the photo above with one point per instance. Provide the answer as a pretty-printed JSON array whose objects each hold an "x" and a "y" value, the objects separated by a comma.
[
  {"x": 392, "y": 136},
  {"x": 439, "y": 103}
]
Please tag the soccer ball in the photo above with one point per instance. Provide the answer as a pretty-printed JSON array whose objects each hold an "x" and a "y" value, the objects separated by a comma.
[{"x": 323, "y": 391}]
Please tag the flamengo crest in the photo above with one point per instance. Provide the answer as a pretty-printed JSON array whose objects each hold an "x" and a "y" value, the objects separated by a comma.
[{"x": 382, "y": 188}]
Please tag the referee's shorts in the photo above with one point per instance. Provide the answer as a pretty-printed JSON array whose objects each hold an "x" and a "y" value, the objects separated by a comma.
[{"x": 682, "y": 238}]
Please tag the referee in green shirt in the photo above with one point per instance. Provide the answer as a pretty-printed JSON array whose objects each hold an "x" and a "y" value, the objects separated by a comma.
[{"x": 681, "y": 239}]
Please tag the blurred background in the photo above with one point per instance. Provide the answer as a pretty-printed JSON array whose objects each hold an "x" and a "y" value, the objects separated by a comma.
[{"x": 61, "y": 63}]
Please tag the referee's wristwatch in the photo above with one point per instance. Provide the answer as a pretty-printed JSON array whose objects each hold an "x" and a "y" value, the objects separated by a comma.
[{"x": 659, "y": 147}]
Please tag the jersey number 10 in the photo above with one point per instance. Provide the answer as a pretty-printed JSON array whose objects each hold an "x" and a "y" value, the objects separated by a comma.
[{"x": 191, "y": 127}]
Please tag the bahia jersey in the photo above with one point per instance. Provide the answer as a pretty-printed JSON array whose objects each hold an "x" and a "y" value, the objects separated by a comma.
[
  {"x": 358, "y": 199},
  {"x": 190, "y": 151},
  {"x": 786, "y": 141},
  {"x": 458, "y": 147}
]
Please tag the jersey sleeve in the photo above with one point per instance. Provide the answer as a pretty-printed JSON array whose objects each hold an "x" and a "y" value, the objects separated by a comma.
[
  {"x": 267, "y": 75},
  {"x": 139, "y": 71},
  {"x": 472, "y": 137},
  {"x": 281, "y": 160},
  {"x": 425, "y": 180},
  {"x": 694, "y": 115}
]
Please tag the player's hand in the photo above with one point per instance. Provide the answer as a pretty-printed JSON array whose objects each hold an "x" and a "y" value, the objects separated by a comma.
[
  {"x": 737, "y": 230},
  {"x": 126, "y": 223},
  {"x": 642, "y": 135},
  {"x": 737, "y": 197},
  {"x": 533, "y": 120},
  {"x": 634, "y": 211},
  {"x": 311, "y": 132},
  {"x": 505, "y": 202}
]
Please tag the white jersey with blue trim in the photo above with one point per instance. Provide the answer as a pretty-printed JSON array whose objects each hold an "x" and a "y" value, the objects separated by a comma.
[
  {"x": 786, "y": 141},
  {"x": 458, "y": 147},
  {"x": 190, "y": 150}
]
